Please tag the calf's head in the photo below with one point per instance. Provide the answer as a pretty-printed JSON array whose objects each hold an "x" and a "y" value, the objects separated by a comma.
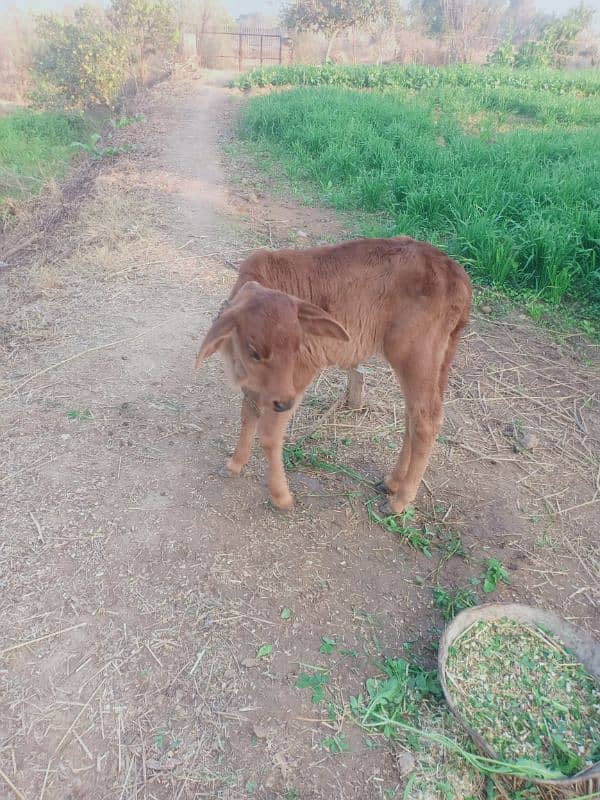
[{"x": 261, "y": 332}]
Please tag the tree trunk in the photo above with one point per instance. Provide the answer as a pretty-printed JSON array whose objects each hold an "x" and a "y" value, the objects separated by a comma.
[{"x": 330, "y": 45}]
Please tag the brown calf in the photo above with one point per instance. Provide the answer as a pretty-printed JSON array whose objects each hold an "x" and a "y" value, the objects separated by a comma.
[{"x": 292, "y": 313}]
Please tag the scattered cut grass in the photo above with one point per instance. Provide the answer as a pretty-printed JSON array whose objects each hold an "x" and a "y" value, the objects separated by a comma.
[
  {"x": 526, "y": 695},
  {"x": 34, "y": 148},
  {"x": 505, "y": 179}
]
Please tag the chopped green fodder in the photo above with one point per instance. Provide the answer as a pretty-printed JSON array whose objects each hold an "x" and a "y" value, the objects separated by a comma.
[{"x": 529, "y": 698}]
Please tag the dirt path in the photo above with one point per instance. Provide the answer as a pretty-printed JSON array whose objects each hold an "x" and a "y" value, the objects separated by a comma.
[{"x": 137, "y": 586}]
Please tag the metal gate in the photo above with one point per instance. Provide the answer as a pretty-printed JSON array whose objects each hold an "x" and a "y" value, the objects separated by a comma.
[{"x": 242, "y": 48}]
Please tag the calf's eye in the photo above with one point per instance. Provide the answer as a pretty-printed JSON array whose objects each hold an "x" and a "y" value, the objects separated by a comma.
[{"x": 253, "y": 354}]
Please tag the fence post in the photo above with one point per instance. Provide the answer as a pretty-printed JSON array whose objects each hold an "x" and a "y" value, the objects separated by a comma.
[
  {"x": 261, "y": 50},
  {"x": 280, "y": 49},
  {"x": 240, "y": 54}
]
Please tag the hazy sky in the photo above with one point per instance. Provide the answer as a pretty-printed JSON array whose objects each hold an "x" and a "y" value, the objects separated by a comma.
[{"x": 237, "y": 7}]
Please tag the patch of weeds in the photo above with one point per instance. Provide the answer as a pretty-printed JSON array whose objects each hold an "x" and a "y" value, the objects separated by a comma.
[
  {"x": 451, "y": 543},
  {"x": 397, "y": 523},
  {"x": 494, "y": 573},
  {"x": 336, "y": 744},
  {"x": 317, "y": 681},
  {"x": 286, "y": 613},
  {"x": 251, "y": 786},
  {"x": 451, "y": 602},
  {"x": 334, "y": 712},
  {"x": 264, "y": 651},
  {"x": 292, "y": 794},
  {"x": 546, "y": 540},
  {"x": 81, "y": 415}
]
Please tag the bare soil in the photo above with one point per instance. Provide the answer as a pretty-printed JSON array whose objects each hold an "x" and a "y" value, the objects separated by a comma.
[{"x": 137, "y": 585}]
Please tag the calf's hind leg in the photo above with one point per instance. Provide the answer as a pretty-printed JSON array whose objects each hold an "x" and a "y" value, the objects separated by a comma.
[{"x": 420, "y": 382}]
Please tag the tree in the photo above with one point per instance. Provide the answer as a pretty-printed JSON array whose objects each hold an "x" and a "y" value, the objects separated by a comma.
[
  {"x": 331, "y": 17},
  {"x": 461, "y": 22},
  {"x": 558, "y": 38},
  {"x": 83, "y": 61},
  {"x": 553, "y": 44},
  {"x": 150, "y": 27}
]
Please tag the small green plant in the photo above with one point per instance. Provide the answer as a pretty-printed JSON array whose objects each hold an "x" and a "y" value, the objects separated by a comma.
[
  {"x": 81, "y": 415},
  {"x": 451, "y": 602},
  {"x": 336, "y": 744},
  {"x": 286, "y": 613},
  {"x": 328, "y": 645},
  {"x": 494, "y": 573},
  {"x": 317, "y": 681},
  {"x": 98, "y": 153},
  {"x": 123, "y": 122}
]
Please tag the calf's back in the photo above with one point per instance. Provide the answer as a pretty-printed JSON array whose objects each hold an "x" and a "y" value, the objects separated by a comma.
[{"x": 376, "y": 288}]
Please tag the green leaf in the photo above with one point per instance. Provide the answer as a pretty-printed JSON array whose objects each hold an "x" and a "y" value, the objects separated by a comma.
[
  {"x": 264, "y": 651},
  {"x": 286, "y": 613},
  {"x": 328, "y": 645}
]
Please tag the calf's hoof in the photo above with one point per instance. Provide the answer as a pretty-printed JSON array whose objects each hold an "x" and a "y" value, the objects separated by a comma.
[
  {"x": 283, "y": 502},
  {"x": 230, "y": 470},
  {"x": 382, "y": 487},
  {"x": 394, "y": 505}
]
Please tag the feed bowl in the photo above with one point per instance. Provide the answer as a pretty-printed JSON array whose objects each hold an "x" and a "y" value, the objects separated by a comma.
[{"x": 580, "y": 643}]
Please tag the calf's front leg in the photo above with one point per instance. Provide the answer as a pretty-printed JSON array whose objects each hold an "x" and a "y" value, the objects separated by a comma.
[
  {"x": 271, "y": 430},
  {"x": 250, "y": 416}
]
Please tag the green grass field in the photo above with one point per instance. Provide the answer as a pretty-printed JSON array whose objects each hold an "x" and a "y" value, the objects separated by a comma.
[
  {"x": 503, "y": 174},
  {"x": 34, "y": 148}
]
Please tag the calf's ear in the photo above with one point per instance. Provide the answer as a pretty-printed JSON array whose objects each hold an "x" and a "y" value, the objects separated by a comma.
[
  {"x": 221, "y": 329},
  {"x": 318, "y": 322}
]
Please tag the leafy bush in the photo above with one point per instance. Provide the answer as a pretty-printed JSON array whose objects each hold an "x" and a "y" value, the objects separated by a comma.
[
  {"x": 503, "y": 56},
  {"x": 86, "y": 60},
  {"x": 83, "y": 62}
]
